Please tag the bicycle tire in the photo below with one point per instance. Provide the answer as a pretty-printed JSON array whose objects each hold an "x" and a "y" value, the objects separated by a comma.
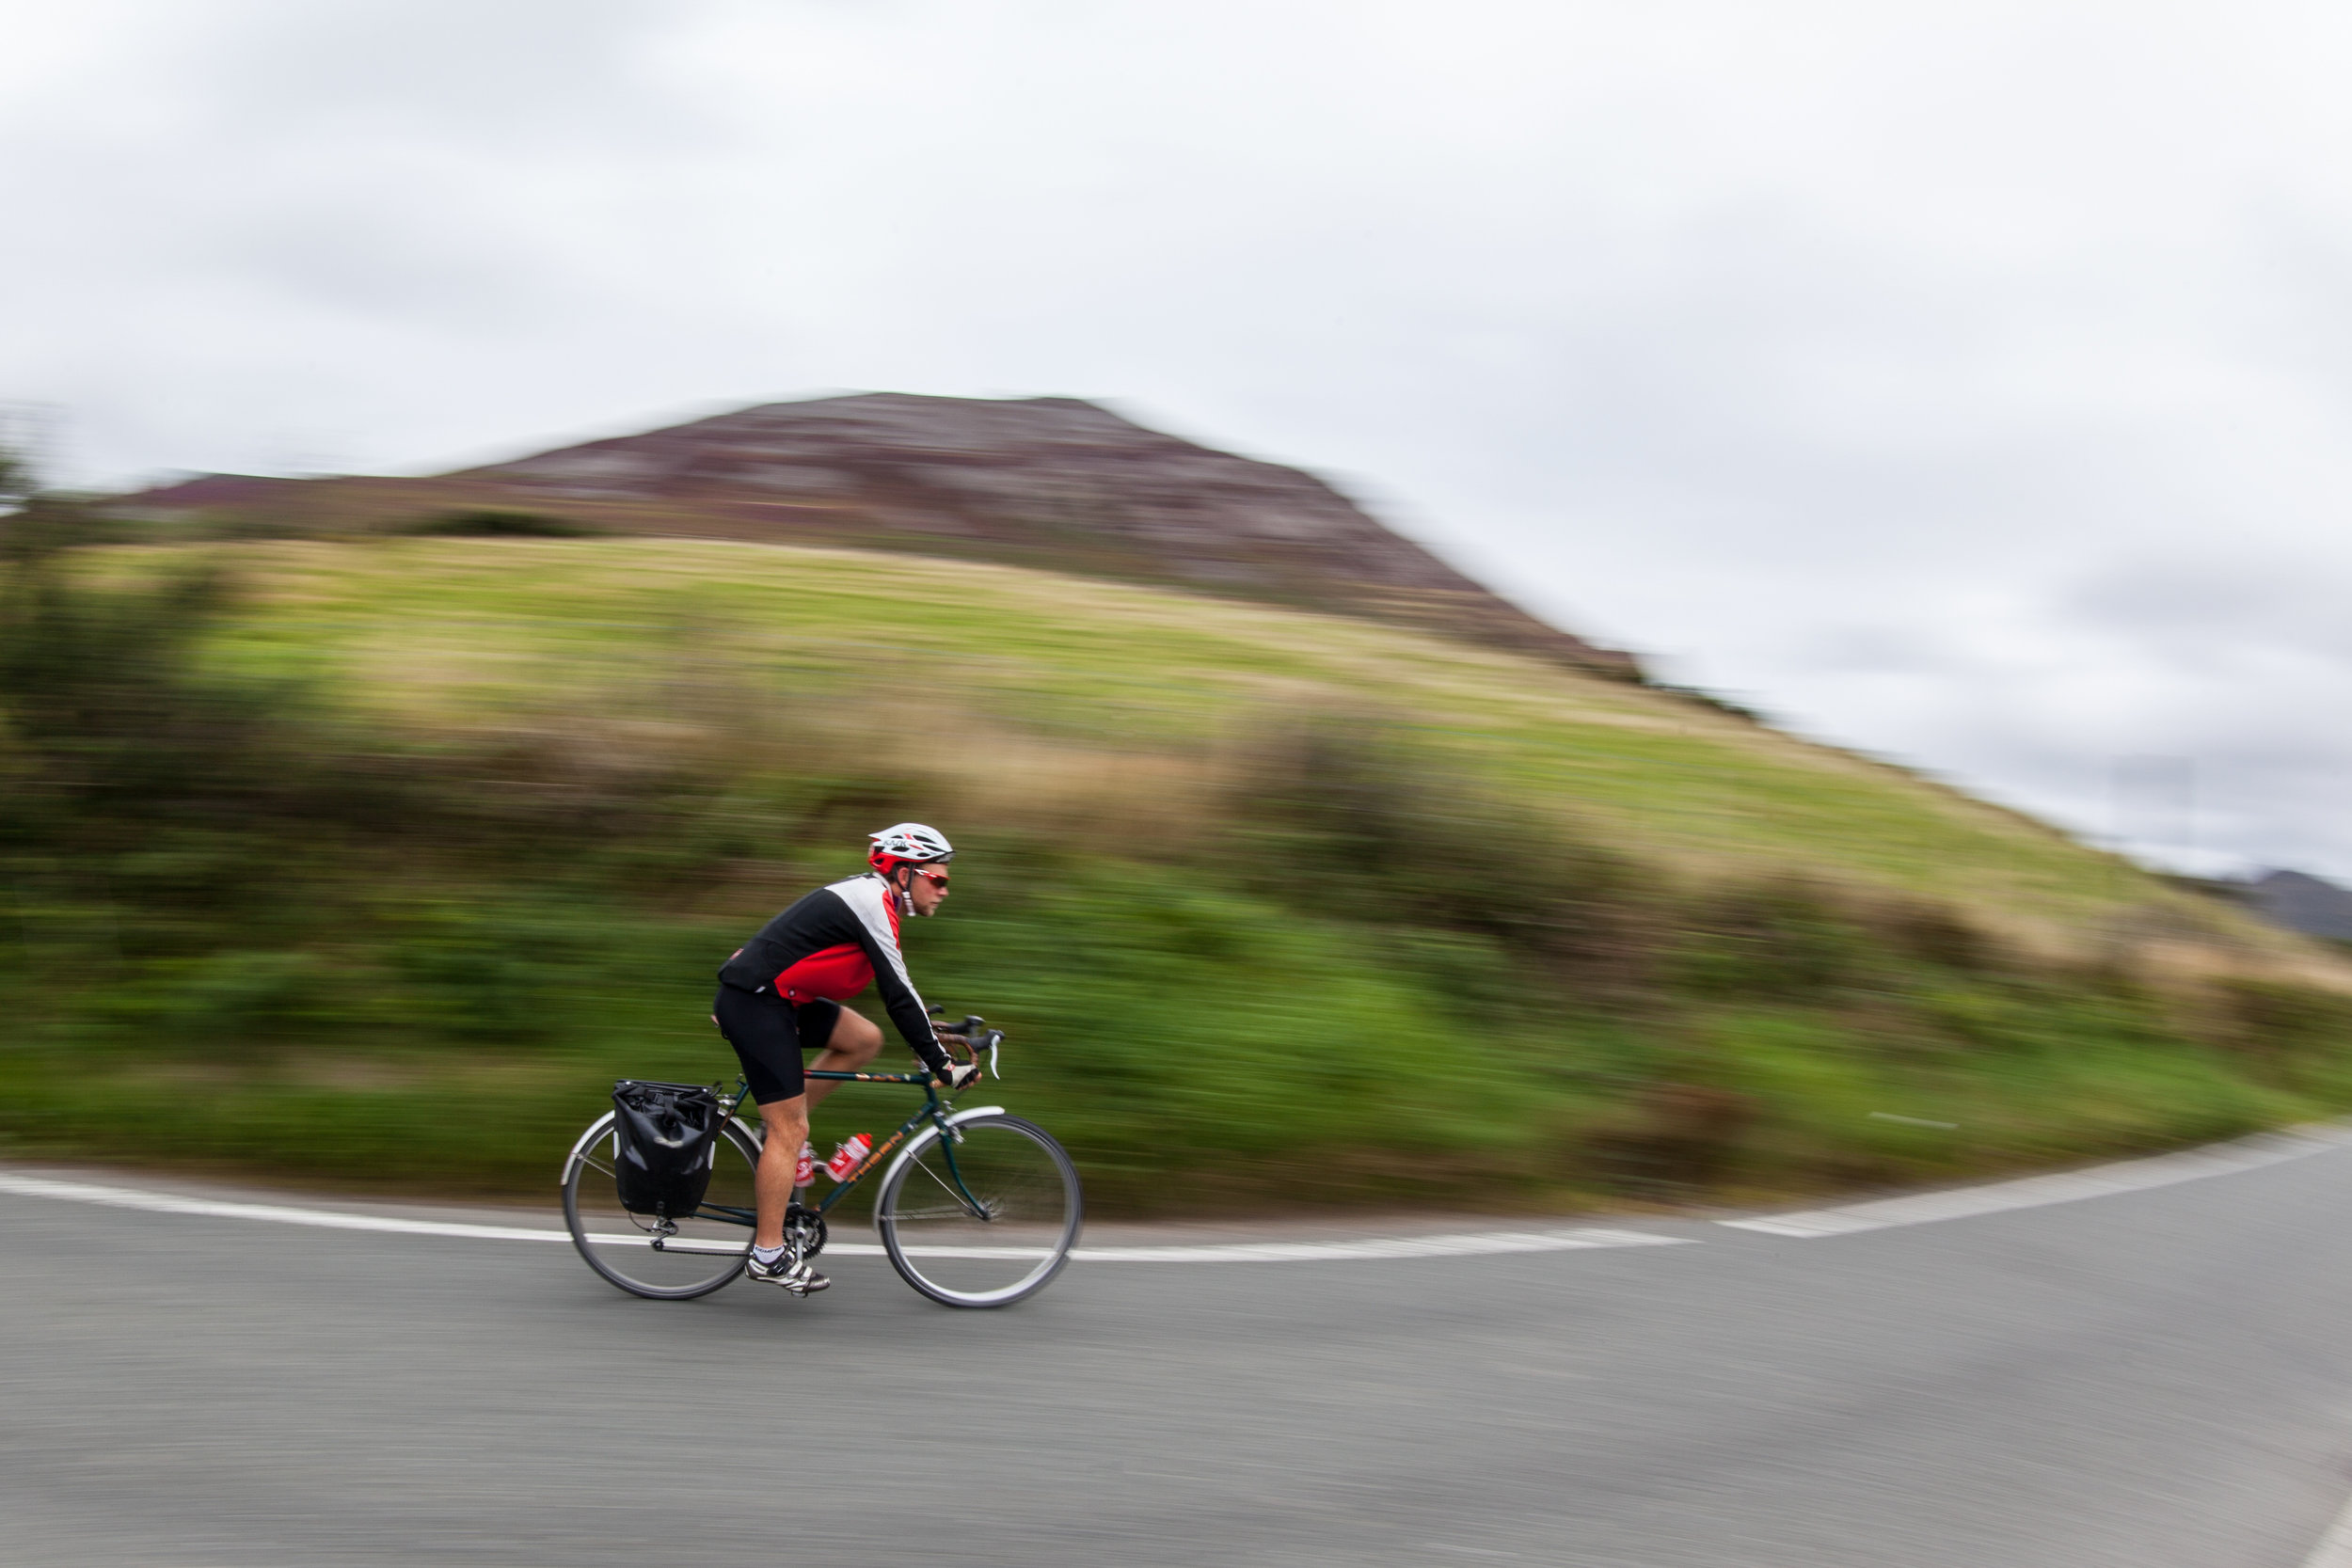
[
  {"x": 959, "y": 1257},
  {"x": 707, "y": 1252}
]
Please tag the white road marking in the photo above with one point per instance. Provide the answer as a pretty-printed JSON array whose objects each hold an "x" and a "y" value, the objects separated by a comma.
[
  {"x": 1483, "y": 1244},
  {"x": 173, "y": 1203},
  {"x": 2335, "y": 1549},
  {"x": 2034, "y": 1192},
  {"x": 1232, "y": 1252},
  {"x": 2130, "y": 1176}
]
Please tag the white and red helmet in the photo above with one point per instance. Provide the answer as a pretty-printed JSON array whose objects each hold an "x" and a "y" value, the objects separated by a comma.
[{"x": 908, "y": 844}]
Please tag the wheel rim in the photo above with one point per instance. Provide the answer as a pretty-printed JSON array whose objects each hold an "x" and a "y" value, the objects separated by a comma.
[
  {"x": 945, "y": 1249},
  {"x": 706, "y": 1248}
]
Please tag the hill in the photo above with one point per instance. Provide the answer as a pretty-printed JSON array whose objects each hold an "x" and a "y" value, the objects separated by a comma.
[
  {"x": 1029, "y": 671},
  {"x": 2302, "y": 902},
  {"x": 1054, "y": 482},
  {"x": 428, "y": 841}
]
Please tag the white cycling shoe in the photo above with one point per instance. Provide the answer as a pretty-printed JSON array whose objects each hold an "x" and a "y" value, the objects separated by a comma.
[{"x": 795, "y": 1275}]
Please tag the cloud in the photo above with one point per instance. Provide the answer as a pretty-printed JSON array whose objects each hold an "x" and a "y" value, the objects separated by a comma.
[{"x": 1966, "y": 382}]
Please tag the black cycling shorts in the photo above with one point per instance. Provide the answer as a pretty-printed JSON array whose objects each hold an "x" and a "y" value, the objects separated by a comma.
[{"x": 769, "y": 1035}]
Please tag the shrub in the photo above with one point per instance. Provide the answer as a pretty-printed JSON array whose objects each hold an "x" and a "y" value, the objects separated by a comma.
[
  {"x": 230, "y": 912},
  {"x": 493, "y": 523},
  {"x": 1774, "y": 939},
  {"x": 1346, "y": 815}
]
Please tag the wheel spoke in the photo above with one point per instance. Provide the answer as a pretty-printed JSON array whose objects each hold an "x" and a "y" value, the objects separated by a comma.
[
  {"x": 963, "y": 1205},
  {"x": 698, "y": 1252},
  {"x": 1013, "y": 1216}
]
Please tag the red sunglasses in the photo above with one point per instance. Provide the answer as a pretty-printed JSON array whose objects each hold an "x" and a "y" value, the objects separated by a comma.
[{"x": 939, "y": 877}]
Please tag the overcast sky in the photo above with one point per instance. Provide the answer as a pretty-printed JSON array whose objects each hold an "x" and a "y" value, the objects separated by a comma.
[{"x": 1971, "y": 384}]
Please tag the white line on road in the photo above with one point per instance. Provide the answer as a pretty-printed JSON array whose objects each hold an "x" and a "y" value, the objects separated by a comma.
[
  {"x": 1469, "y": 1245},
  {"x": 173, "y": 1203},
  {"x": 1482, "y": 1243},
  {"x": 2131, "y": 1175},
  {"x": 2034, "y": 1192},
  {"x": 2335, "y": 1549}
]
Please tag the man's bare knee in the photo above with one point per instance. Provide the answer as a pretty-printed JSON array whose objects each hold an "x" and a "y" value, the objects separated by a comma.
[{"x": 786, "y": 1116}]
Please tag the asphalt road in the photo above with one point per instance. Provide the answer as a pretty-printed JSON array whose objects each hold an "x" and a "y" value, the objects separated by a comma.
[{"x": 2148, "y": 1380}]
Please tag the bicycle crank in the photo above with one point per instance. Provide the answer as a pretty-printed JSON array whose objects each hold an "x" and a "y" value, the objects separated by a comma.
[{"x": 804, "y": 1231}]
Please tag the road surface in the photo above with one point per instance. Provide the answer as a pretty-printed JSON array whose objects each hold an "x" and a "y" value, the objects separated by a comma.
[{"x": 2149, "y": 1379}]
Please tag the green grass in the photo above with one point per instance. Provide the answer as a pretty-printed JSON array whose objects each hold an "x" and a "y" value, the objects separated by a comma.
[
  {"x": 483, "y": 632},
  {"x": 568, "y": 776}
]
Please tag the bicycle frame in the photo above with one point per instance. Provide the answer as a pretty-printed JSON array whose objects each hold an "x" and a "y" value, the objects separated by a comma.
[{"x": 935, "y": 1111}]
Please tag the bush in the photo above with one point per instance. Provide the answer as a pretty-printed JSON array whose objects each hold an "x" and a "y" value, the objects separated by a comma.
[
  {"x": 240, "y": 926},
  {"x": 492, "y": 523},
  {"x": 1346, "y": 815},
  {"x": 112, "y": 730},
  {"x": 1775, "y": 939}
]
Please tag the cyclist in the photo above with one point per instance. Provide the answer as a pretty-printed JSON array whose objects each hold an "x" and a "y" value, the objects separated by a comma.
[{"x": 781, "y": 994}]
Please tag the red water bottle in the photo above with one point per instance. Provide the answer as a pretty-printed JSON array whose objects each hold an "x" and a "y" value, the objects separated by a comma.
[{"x": 851, "y": 1155}]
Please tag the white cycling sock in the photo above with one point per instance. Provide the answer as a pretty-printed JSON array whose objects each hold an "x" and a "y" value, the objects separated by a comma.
[{"x": 766, "y": 1256}]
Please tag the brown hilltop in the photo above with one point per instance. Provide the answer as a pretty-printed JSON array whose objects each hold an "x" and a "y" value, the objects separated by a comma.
[{"x": 1054, "y": 483}]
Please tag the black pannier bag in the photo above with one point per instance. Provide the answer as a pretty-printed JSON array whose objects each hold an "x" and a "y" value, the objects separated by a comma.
[{"x": 667, "y": 1136}]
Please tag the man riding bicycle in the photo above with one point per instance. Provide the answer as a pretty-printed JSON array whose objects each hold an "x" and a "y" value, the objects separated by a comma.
[{"x": 782, "y": 993}]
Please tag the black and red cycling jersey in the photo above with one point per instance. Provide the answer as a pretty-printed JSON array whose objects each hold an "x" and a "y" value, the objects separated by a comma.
[{"x": 832, "y": 946}]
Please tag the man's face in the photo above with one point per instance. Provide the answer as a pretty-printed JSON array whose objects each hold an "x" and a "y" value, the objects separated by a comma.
[{"x": 928, "y": 886}]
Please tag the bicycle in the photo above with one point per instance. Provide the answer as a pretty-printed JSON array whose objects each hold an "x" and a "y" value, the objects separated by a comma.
[{"x": 979, "y": 1209}]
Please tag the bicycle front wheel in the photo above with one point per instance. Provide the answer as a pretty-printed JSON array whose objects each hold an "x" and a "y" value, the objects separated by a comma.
[
  {"x": 985, "y": 1217},
  {"x": 690, "y": 1257}
]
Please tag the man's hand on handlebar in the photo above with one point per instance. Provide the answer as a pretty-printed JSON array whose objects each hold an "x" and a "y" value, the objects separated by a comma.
[{"x": 963, "y": 1042}]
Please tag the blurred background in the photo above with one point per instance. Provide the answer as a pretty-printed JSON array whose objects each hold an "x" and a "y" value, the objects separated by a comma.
[{"x": 1547, "y": 605}]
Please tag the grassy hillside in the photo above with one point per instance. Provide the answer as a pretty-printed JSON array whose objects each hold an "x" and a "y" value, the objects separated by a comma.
[{"x": 1270, "y": 903}]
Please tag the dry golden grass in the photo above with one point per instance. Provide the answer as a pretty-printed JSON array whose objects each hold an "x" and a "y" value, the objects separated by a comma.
[{"x": 1035, "y": 700}]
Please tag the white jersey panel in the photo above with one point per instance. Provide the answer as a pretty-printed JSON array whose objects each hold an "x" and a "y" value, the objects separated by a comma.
[{"x": 868, "y": 899}]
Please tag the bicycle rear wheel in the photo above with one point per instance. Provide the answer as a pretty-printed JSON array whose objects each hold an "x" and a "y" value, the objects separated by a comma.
[
  {"x": 690, "y": 1257},
  {"x": 985, "y": 1218}
]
